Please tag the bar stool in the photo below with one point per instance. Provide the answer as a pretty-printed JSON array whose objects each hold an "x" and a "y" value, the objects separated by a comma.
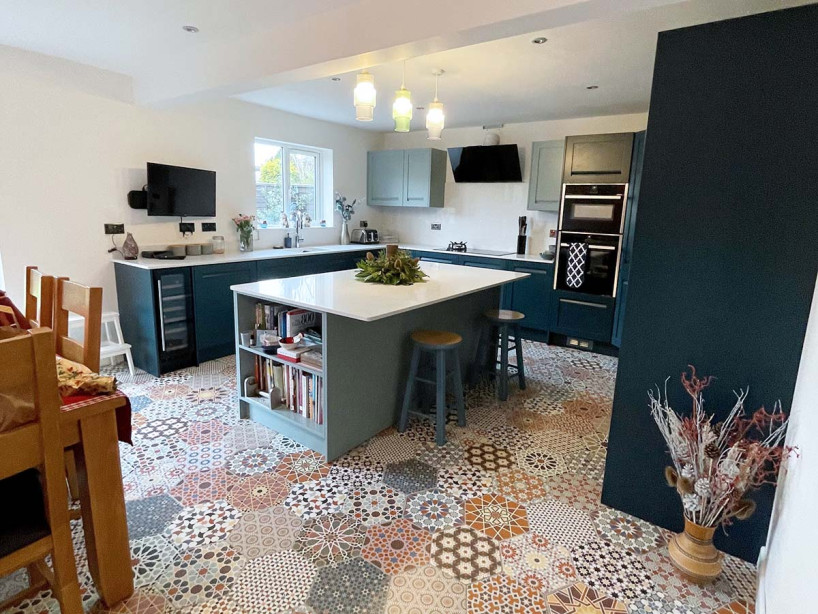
[
  {"x": 501, "y": 323},
  {"x": 439, "y": 344}
]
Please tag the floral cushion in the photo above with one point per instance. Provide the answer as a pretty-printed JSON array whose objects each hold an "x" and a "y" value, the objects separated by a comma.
[{"x": 74, "y": 378}]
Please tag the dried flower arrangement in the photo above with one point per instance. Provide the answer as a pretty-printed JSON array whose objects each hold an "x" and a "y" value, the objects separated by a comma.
[
  {"x": 715, "y": 464},
  {"x": 391, "y": 266}
]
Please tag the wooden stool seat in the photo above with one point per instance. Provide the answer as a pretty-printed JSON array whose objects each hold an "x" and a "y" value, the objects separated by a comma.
[
  {"x": 504, "y": 315},
  {"x": 442, "y": 345},
  {"x": 436, "y": 338}
]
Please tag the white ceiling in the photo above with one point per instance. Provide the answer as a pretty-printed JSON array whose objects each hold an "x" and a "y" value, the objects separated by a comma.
[{"x": 512, "y": 80}]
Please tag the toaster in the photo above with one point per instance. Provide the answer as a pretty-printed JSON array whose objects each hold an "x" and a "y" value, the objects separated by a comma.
[{"x": 364, "y": 235}]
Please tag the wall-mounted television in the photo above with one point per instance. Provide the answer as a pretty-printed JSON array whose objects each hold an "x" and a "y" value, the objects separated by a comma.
[
  {"x": 486, "y": 164},
  {"x": 179, "y": 192}
]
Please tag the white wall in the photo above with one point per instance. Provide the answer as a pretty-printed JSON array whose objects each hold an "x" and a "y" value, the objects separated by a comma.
[
  {"x": 69, "y": 156},
  {"x": 485, "y": 215},
  {"x": 788, "y": 579}
]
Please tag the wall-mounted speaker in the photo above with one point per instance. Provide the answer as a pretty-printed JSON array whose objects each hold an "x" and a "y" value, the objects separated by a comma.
[{"x": 138, "y": 199}]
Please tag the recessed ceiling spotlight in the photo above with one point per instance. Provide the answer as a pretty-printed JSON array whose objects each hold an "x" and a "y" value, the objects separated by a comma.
[
  {"x": 419, "y": 108},
  {"x": 190, "y": 29},
  {"x": 539, "y": 40},
  {"x": 591, "y": 87},
  {"x": 336, "y": 78}
]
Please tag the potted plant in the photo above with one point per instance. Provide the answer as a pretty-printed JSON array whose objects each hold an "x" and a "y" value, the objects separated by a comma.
[
  {"x": 715, "y": 465},
  {"x": 245, "y": 224},
  {"x": 347, "y": 210}
]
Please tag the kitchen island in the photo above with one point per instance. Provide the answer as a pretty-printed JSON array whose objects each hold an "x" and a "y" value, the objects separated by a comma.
[{"x": 366, "y": 347}]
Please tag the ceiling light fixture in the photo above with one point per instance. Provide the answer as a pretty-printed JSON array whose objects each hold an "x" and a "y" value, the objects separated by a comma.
[
  {"x": 336, "y": 78},
  {"x": 539, "y": 40},
  {"x": 435, "y": 117},
  {"x": 402, "y": 107},
  {"x": 190, "y": 29},
  {"x": 364, "y": 97}
]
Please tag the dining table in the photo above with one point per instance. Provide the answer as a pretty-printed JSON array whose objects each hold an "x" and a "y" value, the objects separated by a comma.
[{"x": 92, "y": 427}]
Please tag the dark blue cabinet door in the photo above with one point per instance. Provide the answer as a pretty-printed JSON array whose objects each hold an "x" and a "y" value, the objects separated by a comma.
[
  {"x": 443, "y": 257},
  {"x": 213, "y": 305},
  {"x": 582, "y": 315},
  {"x": 532, "y": 296}
]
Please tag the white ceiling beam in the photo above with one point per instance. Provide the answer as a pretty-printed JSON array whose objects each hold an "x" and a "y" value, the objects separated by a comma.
[{"x": 357, "y": 36}]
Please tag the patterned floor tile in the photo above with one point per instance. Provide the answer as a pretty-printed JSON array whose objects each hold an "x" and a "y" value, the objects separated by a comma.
[
  {"x": 150, "y": 556},
  {"x": 410, "y": 476},
  {"x": 214, "y": 394},
  {"x": 576, "y": 490},
  {"x": 315, "y": 498},
  {"x": 391, "y": 448},
  {"x": 273, "y": 583},
  {"x": 614, "y": 571},
  {"x": 396, "y": 546},
  {"x": 465, "y": 553},
  {"x": 434, "y": 509},
  {"x": 258, "y": 491},
  {"x": 425, "y": 590},
  {"x": 285, "y": 445},
  {"x": 501, "y": 593},
  {"x": 674, "y": 586},
  {"x": 203, "y": 456},
  {"x": 659, "y": 603},
  {"x": 374, "y": 504},
  {"x": 489, "y": 457},
  {"x": 527, "y": 420},
  {"x": 202, "y": 486},
  {"x": 199, "y": 575},
  {"x": 254, "y": 460},
  {"x": 496, "y": 516},
  {"x": 538, "y": 461},
  {"x": 143, "y": 601},
  {"x": 330, "y": 539},
  {"x": 560, "y": 523},
  {"x": 265, "y": 531},
  {"x": 582, "y": 599},
  {"x": 204, "y": 432},
  {"x": 742, "y": 577},
  {"x": 627, "y": 531},
  {"x": 537, "y": 563},
  {"x": 170, "y": 390},
  {"x": 356, "y": 470},
  {"x": 247, "y": 435},
  {"x": 737, "y": 607},
  {"x": 203, "y": 524},
  {"x": 449, "y": 455},
  {"x": 520, "y": 485},
  {"x": 465, "y": 482},
  {"x": 150, "y": 516},
  {"x": 302, "y": 467},
  {"x": 163, "y": 428},
  {"x": 354, "y": 586}
]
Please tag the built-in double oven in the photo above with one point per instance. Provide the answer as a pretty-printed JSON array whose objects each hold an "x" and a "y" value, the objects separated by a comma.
[{"x": 591, "y": 222}]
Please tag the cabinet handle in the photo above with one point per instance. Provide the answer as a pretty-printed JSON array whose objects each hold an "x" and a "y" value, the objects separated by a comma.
[
  {"x": 387, "y": 198},
  {"x": 583, "y": 303},
  {"x": 594, "y": 196},
  {"x": 607, "y": 248},
  {"x": 161, "y": 313}
]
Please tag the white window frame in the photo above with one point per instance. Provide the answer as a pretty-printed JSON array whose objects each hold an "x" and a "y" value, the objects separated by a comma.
[{"x": 323, "y": 157}]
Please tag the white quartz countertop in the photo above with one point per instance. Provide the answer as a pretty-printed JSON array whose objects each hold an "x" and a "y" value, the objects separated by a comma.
[
  {"x": 305, "y": 251},
  {"x": 341, "y": 294}
]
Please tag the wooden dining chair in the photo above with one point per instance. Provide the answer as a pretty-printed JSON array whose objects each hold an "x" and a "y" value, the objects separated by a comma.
[
  {"x": 39, "y": 307},
  {"x": 35, "y": 510},
  {"x": 86, "y": 302}
]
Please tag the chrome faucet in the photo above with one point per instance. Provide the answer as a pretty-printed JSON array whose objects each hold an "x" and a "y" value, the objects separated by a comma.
[{"x": 299, "y": 227}]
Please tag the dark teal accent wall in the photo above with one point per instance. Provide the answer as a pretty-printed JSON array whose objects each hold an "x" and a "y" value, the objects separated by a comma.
[{"x": 725, "y": 252}]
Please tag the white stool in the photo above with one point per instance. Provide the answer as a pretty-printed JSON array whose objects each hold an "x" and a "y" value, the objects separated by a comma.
[{"x": 112, "y": 343}]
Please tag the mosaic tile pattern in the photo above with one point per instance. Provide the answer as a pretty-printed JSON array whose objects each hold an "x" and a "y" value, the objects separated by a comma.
[{"x": 264, "y": 525}]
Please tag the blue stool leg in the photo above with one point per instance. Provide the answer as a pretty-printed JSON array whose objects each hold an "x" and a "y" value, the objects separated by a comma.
[
  {"x": 410, "y": 388},
  {"x": 518, "y": 342},
  {"x": 502, "y": 383},
  {"x": 440, "y": 430},
  {"x": 457, "y": 382}
]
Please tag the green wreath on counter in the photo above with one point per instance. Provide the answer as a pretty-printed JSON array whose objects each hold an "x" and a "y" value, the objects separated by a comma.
[{"x": 392, "y": 266}]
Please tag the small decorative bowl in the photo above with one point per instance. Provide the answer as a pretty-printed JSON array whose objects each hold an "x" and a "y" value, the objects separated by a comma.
[{"x": 290, "y": 343}]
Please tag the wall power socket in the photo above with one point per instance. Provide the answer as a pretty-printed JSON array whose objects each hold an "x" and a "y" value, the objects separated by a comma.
[
  {"x": 435, "y": 226},
  {"x": 187, "y": 228},
  {"x": 114, "y": 229},
  {"x": 208, "y": 226}
]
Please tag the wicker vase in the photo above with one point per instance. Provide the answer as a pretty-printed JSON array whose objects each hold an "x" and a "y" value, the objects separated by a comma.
[{"x": 694, "y": 554}]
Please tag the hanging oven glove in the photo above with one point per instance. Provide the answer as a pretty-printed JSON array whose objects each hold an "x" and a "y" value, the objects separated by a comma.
[{"x": 577, "y": 257}]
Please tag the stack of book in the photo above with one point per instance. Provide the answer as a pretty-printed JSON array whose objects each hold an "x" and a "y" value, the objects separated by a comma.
[
  {"x": 287, "y": 386},
  {"x": 313, "y": 358},
  {"x": 285, "y": 321}
]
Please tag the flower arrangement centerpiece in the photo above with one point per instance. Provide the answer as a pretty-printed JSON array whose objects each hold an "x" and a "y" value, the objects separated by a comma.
[
  {"x": 347, "y": 210},
  {"x": 245, "y": 224},
  {"x": 715, "y": 465},
  {"x": 392, "y": 266}
]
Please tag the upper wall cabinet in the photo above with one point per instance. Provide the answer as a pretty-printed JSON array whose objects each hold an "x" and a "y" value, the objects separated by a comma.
[
  {"x": 598, "y": 158},
  {"x": 545, "y": 182},
  {"x": 406, "y": 177}
]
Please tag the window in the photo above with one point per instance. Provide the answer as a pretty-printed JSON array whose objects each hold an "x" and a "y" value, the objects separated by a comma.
[{"x": 288, "y": 181}]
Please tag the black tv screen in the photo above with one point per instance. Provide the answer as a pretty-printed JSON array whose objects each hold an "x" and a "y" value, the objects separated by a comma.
[
  {"x": 178, "y": 191},
  {"x": 486, "y": 164}
]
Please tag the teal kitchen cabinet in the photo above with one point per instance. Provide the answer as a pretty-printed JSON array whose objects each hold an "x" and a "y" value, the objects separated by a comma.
[
  {"x": 532, "y": 295},
  {"x": 545, "y": 180},
  {"x": 443, "y": 257},
  {"x": 213, "y": 306},
  {"x": 586, "y": 316},
  {"x": 598, "y": 158},
  {"x": 406, "y": 177}
]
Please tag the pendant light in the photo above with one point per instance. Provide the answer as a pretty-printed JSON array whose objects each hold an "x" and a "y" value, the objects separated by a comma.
[
  {"x": 402, "y": 107},
  {"x": 435, "y": 117},
  {"x": 364, "y": 97}
]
